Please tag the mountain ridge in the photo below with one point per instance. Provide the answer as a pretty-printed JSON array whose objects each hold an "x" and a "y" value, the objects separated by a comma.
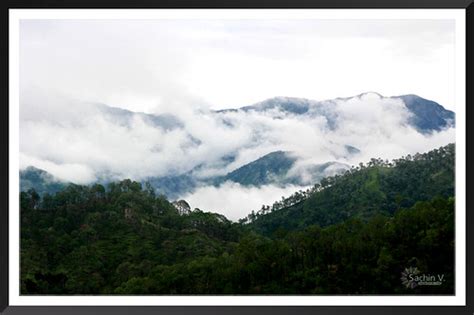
[
  {"x": 271, "y": 168},
  {"x": 386, "y": 187},
  {"x": 428, "y": 115},
  {"x": 125, "y": 240}
]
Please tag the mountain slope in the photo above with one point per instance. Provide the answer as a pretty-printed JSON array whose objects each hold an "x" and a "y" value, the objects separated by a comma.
[
  {"x": 270, "y": 168},
  {"x": 269, "y": 119},
  {"x": 39, "y": 180},
  {"x": 125, "y": 117},
  {"x": 426, "y": 115},
  {"x": 125, "y": 240},
  {"x": 377, "y": 188},
  {"x": 173, "y": 187},
  {"x": 275, "y": 168}
]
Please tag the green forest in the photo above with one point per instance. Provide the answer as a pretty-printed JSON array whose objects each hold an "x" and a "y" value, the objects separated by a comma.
[{"x": 353, "y": 233}]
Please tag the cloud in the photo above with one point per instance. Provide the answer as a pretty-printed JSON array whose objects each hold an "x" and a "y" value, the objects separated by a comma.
[
  {"x": 79, "y": 173},
  {"x": 378, "y": 128},
  {"x": 236, "y": 201},
  {"x": 185, "y": 67},
  {"x": 56, "y": 131}
]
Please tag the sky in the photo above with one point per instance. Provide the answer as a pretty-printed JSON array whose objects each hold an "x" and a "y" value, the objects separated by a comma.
[
  {"x": 161, "y": 65},
  {"x": 186, "y": 68}
]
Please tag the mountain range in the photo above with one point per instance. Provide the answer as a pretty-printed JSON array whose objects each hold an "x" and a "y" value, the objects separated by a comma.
[
  {"x": 426, "y": 115},
  {"x": 352, "y": 234},
  {"x": 279, "y": 166}
]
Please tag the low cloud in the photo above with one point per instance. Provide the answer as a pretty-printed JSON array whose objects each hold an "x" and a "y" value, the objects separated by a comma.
[
  {"x": 80, "y": 142},
  {"x": 236, "y": 201},
  {"x": 78, "y": 173},
  {"x": 184, "y": 67}
]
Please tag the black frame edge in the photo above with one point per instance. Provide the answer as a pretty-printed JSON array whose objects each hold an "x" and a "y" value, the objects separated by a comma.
[
  {"x": 4, "y": 204},
  {"x": 469, "y": 155},
  {"x": 305, "y": 310},
  {"x": 251, "y": 4}
]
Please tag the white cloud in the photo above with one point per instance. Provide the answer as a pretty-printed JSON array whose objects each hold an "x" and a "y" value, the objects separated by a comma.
[
  {"x": 236, "y": 201},
  {"x": 80, "y": 174},
  {"x": 183, "y": 68},
  {"x": 55, "y": 130}
]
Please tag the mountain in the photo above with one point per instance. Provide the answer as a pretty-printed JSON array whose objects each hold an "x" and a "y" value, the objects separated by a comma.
[
  {"x": 125, "y": 117},
  {"x": 293, "y": 105},
  {"x": 354, "y": 234},
  {"x": 270, "y": 168},
  {"x": 209, "y": 158},
  {"x": 314, "y": 173},
  {"x": 173, "y": 187},
  {"x": 426, "y": 115},
  {"x": 363, "y": 192},
  {"x": 39, "y": 180},
  {"x": 274, "y": 168}
]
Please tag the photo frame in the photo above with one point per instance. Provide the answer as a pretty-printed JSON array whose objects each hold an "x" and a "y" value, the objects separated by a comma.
[{"x": 225, "y": 308}]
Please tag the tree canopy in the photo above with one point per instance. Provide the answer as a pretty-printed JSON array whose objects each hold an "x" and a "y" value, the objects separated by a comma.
[{"x": 350, "y": 234}]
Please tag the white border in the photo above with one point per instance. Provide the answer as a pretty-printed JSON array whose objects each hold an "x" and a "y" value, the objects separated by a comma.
[{"x": 460, "y": 40}]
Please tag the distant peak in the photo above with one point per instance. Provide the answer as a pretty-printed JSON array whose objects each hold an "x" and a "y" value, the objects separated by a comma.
[
  {"x": 285, "y": 99},
  {"x": 370, "y": 95},
  {"x": 278, "y": 100},
  {"x": 31, "y": 168},
  {"x": 409, "y": 96}
]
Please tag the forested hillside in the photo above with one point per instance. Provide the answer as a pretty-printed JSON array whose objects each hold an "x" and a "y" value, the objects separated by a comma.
[
  {"x": 378, "y": 187},
  {"x": 39, "y": 180},
  {"x": 352, "y": 234}
]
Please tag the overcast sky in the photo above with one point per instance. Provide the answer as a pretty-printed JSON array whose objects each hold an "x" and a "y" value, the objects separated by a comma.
[{"x": 162, "y": 65}]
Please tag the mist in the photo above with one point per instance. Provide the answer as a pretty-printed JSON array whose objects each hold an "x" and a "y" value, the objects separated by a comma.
[
  {"x": 77, "y": 141},
  {"x": 72, "y": 72},
  {"x": 236, "y": 201}
]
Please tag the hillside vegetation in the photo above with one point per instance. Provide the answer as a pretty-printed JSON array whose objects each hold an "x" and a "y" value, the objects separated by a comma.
[
  {"x": 352, "y": 234},
  {"x": 379, "y": 187}
]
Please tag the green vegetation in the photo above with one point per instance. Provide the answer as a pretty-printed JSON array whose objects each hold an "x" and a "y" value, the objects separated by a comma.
[
  {"x": 352, "y": 234},
  {"x": 273, "y": 168},
  {"x": 264, "y": 170},
  {"x": 380, "y": 187},
  {"x": 42, "y": 182}
]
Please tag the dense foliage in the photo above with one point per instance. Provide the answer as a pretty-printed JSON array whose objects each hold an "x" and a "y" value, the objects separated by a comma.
[
  {"x": 123, "y": 239},
  {"x": 272, "y": 167},
  {"x": 379, "y": 187}
]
